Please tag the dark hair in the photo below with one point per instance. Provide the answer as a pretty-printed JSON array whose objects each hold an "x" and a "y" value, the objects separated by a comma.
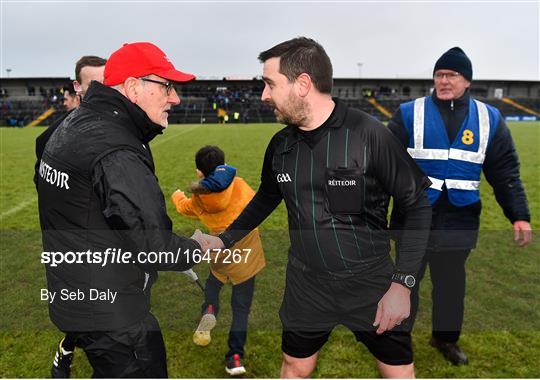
[
  {"x": 87, "y": 60},
  {"x": 208, "y": 158},
  {"x": 69, "y": 87},
  {"x": 303, "y": 55}
]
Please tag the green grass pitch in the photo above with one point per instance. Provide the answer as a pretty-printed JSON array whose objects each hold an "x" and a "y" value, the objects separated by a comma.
[{"x": 502, "y": 317}]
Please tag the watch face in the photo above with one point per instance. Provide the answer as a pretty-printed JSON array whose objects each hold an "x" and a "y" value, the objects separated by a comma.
[{"x": 410, "y": 281}]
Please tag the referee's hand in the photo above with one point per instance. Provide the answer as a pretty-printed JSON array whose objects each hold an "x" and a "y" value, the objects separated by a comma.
[{"x": 393, "y": 308}]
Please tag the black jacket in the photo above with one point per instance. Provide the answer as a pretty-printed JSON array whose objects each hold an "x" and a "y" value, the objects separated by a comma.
[
  {"x": 336, "y": 182},
  {"x": 42, "y": 140},
  {"x": 500, "y": 167},
  {"x": 97, "y": 191}
]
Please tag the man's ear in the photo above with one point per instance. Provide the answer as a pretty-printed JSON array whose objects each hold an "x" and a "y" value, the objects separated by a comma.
[
  {"x": 303, "y": 82},
  {"x": 77, "y": 87},
  {"x": 131, "y": 89}
]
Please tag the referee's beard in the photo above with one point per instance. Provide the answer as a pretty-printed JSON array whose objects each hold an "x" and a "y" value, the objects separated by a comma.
[{"x": 295, "y": 111}]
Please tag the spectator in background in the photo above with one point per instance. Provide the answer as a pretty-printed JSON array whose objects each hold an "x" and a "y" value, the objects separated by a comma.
[
  {"x": 71, "y": 99},
  {"x": 87, "y": 69}
]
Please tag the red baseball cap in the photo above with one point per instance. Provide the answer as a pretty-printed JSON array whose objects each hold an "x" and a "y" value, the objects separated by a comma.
[{"x": 138, "y": 60}]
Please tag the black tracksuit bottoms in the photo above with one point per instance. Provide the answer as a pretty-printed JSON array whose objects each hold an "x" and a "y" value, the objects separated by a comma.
[
  {"x": 447, "y": 271},
  {"x": 135, "y": 352}
]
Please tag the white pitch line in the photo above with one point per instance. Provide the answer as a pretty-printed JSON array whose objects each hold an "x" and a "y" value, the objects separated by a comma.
[
  {"x": 18, "y": 208},
  {"x": 165, "y": 139},
  {"x": 29, "y": 201}
]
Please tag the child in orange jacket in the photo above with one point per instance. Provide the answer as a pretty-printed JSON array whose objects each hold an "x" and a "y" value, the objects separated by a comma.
[{"x": 218, "y": 198}]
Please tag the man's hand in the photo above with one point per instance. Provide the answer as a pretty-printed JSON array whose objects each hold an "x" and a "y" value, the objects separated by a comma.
[
  {"x": 393, "y": 308},
  {"x": 207, "y": 242},
  {"x": 213, "y": 242},
  {"x": 522, "y": 232},
  {"x": 200, "y": 238}
]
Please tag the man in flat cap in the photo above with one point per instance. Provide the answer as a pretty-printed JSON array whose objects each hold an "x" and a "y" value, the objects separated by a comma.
[
  {"x": 99, "y": 199},
  {"x": 453, "y": 138}
]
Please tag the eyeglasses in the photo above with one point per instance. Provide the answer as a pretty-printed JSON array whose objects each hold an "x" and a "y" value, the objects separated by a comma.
[
  {"x": 449, "y": 76},
  {"x": 168, "y": 85}
]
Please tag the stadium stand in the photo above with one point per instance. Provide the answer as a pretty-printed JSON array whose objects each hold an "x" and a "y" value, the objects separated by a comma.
[{"x": 23, "y": 100}]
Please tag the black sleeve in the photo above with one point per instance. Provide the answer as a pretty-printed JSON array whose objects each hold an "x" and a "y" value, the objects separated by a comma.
[
  {"x": 398, "y": 129},
  {"x": 394, "y": 168},
  {"x": 501, "y": 168},
  {"x": 133, "y": 205},
  {"x": 414, "y": 236},
  {"x": 405, "y": 182},
  {"x": 265, "y": 201}
]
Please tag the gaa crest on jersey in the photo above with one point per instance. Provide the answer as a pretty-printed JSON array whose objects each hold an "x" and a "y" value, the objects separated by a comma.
[{"x": 283, "y": 177}]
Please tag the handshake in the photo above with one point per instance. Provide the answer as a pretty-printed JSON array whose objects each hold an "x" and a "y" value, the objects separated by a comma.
[{"x": 207, "y": 242}]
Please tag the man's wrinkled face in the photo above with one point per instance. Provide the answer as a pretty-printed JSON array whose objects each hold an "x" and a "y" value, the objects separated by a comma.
[
  {"x": 71, "y": 101},
  {"x": 289, "y": 108},
  {"x": 449, "y": 84},
  {"x": 154, "y": 99},
  {"x": 88, "y": 74}
]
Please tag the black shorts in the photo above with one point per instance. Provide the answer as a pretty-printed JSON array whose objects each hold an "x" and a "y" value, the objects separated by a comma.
[{"x": 313, "y": 306}]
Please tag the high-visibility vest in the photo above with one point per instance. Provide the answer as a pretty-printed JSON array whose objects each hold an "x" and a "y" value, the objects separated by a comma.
[{"x": 456, "y": 165}]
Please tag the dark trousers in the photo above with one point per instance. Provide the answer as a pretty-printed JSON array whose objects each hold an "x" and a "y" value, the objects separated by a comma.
[
  {"x": 242, "y": 295},
  {"x": 447, "y": 271},
  {"x": 135, "y": 352},
  {"x": 69, "y": 343}
]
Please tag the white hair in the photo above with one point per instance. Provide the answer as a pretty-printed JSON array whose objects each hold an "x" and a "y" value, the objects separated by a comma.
[{"x": 118, "y": 87}]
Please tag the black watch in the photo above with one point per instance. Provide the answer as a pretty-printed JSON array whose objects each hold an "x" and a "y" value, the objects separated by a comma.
[{"x": 407, "y": 280}]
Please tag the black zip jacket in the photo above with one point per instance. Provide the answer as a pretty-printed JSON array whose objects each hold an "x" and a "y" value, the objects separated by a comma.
[
  {"x": 501, "y": 169},
  {"x": 97, "y": 191},
  {"x": 42, "y": 140},
  {"x": 336, "y": 182}
]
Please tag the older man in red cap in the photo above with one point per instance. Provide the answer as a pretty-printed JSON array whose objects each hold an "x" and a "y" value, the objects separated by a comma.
[{"x": 99, "y": 199}]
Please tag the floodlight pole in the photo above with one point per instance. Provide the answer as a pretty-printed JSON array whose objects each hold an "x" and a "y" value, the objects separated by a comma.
[{"x": 360, "y": 64}]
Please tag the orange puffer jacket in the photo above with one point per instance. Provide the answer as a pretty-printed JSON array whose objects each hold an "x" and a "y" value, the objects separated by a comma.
[{"x": 217, "y": 211}]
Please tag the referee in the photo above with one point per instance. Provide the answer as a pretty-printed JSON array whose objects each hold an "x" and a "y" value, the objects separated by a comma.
[{"x": 336, "y": 169}]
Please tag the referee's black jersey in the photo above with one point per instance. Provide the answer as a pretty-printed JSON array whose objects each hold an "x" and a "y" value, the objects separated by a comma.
[{"x": 336, "y": 182}]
